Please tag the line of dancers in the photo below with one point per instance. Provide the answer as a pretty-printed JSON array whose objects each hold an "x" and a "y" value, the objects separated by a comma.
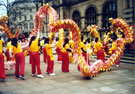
[{"x": 14, "y": 51}]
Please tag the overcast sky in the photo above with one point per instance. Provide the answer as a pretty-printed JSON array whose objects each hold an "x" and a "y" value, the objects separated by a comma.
[{"x": 2, "y": 8}]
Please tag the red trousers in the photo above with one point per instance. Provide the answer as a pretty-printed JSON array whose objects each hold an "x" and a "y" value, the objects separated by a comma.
[
  {"x": 65, "y": 62},
  {"x": 20, "y": 62},
  {"x": 59, "y": 53},
  {"x": 30, "y": 57},
  {"x": 35, "y": 62},
  {"x": 118, "y": 60},
  {"x": 50, "y": 65},
  {"x": 86, "y": 59},
  {"x": 100, "y": 55},
  {"x": 44, "y": 55},
  {"x": 2, "y": 68},
  {"x": 7, "y": 55}
]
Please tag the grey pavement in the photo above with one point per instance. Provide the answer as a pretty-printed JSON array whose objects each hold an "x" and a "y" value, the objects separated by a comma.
[{"x": 116, "y": 81}]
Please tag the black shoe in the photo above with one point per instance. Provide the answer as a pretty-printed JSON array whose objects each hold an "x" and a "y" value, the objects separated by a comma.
[
  {"x": 22, "y": 77},
  {"x": 17, "y": 76},
  {"x": 2, "y": 80}
]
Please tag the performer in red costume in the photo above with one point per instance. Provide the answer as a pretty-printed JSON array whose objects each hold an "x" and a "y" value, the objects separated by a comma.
[
  {"x": 19, "y": 58},
  {"x": 7, "y": 50},
  {"x": 58, "y": 50},
  {"x": 84, "y": 53},
  {"x": 65, "y": 57},
  {"x": 84, "y": 47},
  {"x": 50, "y": 57},
  {"x": 44, "y": 53},
  {"x": 2, "y": 68},
  {"x": 113, "y": 48},
  {"x": 35, "y": 56},
  {"x": 100, "y": 51}
]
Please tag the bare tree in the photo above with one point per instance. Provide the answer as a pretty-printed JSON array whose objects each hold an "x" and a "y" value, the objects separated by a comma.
[{"x": 13, "y": 12}]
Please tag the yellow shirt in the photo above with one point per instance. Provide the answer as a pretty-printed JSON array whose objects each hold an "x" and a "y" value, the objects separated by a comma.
[
  {"x": 34, "y": 46},
  {"x": 89, "y": 45},
  {"x": 8, "y": 45},
  {"x": 1, "y": 51},
  {"x": 114, "y": 45},
  {"x": 120, "y": 36},
  {"x": 49, "y": 51},
  {"x": 98, "y": 46},
  {"x": 65, "y": 48},
  {"x": 81, "y": 45},
  {"x": 1, "y": 46},
  {"x": 57, "y": 44},
  {"x": 85, "y": 47},
  {"x": 42, "y": 42},
  {"x": 71, "y": 43},
  {"x": 16, "y": 50}
]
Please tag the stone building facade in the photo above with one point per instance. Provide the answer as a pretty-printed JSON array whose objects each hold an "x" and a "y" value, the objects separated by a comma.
[
  {"x": 22, "y": 14},
  {"x": 84, "y": 12},
  {"x": 87, "y": 12}
]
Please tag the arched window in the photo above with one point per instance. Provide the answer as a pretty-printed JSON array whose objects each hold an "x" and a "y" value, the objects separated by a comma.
[
  {"x": 25, "y": 26},
  {"x": 109, "y": 11},
  {"x": 20, "y": 27},
  {"x": 76, "y": 17},
  {"x": 90, "y": 16},
  {"x": 31, "y": 17},
  {"x": 127, "y": 3},
  {"x": 25, "y": 17},
  {"x": 31, "y": 25}
]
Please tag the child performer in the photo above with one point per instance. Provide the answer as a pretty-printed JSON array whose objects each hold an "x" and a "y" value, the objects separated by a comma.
[
  {"x": 113, "y": 48},
  {"x": 58, "y": 50},
  {"x": 2, "y": 68},
  {"x": 35, "y": 55},
  {"x": 84, "y": 53},
  {"x": 71, "y": 43},
  {"x": 89, "y": 48},
  {"x": 65, "y": 56},
  {"x": 44, "y": 52},
  {"x": 83, "y": 47},
  {"x": 99, "y": 48},
  {"x": 50, "y": 58},
  {"x": 7, "y": 50},
  {"x": 19, "y": 58}
]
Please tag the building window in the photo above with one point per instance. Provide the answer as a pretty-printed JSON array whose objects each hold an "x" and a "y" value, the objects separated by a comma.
[
  {"x": 25, "y": 26},
  {"x": 76, "y": 17},
  {"x": 14, "y": 18},
  {"x": 128, "y": 4},
  {"x": 90, "y": 16},
  {"x": 20, "y": 17},
  {"x": 25, "y": 18},
  {"x": 20, "y": 27},
  {"x": 31, "y": 25},
  {"x": 109, "y": 11},
  {"x": 31, "y": 17},
  {"x": 30, "y": 9}
]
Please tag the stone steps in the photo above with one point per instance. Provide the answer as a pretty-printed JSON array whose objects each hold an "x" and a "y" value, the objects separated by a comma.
[{"x": 124, "y": 59}]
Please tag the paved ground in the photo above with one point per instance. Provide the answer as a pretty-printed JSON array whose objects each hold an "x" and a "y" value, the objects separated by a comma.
[{"x": 117, "y": 81}]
